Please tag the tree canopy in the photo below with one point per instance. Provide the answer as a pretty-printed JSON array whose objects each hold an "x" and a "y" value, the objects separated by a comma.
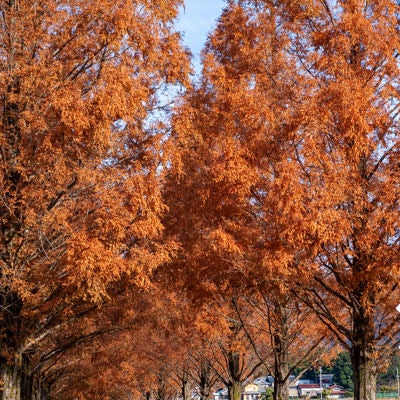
[
  {"x": 79, "y": 160},
  {"x": 255, "y": 224},
  {"x": 292, "y": 162}
]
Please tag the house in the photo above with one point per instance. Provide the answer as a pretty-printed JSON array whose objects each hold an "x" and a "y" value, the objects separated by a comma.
[
  {"x": 299, "y": 388},
  {"x": 336, "y": 392},
  {"x": 251, "y": 392},
  {"x": 309, "y": 389},
  {"x": 293, "y": 392},
  {"x": 264, "y": 381},
  {"x": 327, "y": 380},
  {"x": 301, "y": 382},
  {"x": 221, "y": 394}
]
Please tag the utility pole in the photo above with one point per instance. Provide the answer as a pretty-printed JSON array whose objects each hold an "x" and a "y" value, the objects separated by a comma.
[
  {"x": 320, "y": 381},
  {"x": 397, "y": 370}
]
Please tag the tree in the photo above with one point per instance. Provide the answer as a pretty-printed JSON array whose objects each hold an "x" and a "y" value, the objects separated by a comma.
[
  {"x": 346, "y": 152},
  {"x": 80, "y": 198},
  {"x": 294, "y": 127},
  {"x": 342, "y": 370},
  {"x": 204, "y": 377},
  {"x": 235, "y": 362},
  {"x": 227, "y": 195},
  {"x": 286, "y": 336},
  {"x": 94, "y": 357}
]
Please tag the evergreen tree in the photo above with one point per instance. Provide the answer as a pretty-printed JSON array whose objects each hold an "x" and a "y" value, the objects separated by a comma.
[{"x": 342, "y": 371}]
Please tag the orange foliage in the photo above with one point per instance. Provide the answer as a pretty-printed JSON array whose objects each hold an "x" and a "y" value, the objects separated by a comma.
[
  {"x": 290, "y": 165},
  {"x": 80, "y": 156}
]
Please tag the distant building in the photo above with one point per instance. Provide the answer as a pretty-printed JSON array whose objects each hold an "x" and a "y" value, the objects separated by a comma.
[
  {"x": 251, "y": 392},
  {"x": 221, "y": 394},
  {"x": 298, "y": 388},
  {"x": 308, "y": 389},
  {"x": 264, "y": 381},
  {"x": 336, "y": 392},
  {"x": 327, "y": 380}
]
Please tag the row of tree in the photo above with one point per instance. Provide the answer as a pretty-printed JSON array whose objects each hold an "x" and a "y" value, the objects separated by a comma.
[
  {"x": 253, "y": 229},
  {"x": 79, "y": 184}
]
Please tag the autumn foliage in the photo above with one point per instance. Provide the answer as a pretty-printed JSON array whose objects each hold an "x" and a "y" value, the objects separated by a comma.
[
  {"x": 291, "y": 158},
  {"x": 80, "y": 197},
  {"x": 168, "y": 250}
]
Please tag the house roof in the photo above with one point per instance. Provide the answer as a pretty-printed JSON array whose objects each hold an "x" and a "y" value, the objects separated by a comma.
[
  {"x": 336, "y": 389},
  {"x": 309, "y": 386}
]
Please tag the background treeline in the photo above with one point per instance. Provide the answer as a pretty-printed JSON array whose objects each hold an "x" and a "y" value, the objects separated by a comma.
[{"x": 341, "y": 368}]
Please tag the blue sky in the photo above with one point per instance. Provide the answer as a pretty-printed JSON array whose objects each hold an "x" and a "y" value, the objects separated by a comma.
[{"x": 195, "y": 22}]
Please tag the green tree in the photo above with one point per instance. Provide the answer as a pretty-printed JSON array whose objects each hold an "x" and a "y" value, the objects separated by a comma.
[
  {"x": 342, "y": 371},
  {"x": 268, "y": 394},
  {"x": 388, "y": 378}
]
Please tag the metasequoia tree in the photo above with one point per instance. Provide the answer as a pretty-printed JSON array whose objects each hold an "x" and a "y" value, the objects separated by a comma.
[
  {"x": 345, "y": 189},
  {"x": 203, "y": 375},
  {"x": 159, "y": 346},
  {"x": 286, "y": 336},
  {"x": 162, "y": 360},
  {"x": 234, "y": 361},
  {"x": 219, "y": 350},
  {"x": 225, "y": 201},
  {"x": 139, "y": 349},
  {"x": 80, "y": 200},
  {"x": 292, "y": 159},
  {"x": 98, "y": 355}
]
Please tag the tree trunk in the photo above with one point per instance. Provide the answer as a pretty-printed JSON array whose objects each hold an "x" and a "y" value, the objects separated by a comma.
[
  {"x": 11, "y": 377},
  {"x": 11, "y": 368},
  {"x": 281, "y": 382},
  {"x": 235, "y": 384},
  {"x": 204, "y": 384},
  {"x": 39, "y": 390},
  {"x": 235, "y": 390},
  {"x": 186, "y": 387},
  {"x": 281, "y": 356},
  {"x": 363, "y": 350},
  {"x": 364, "y": 373},
  {"x": 26, "y": 379},
  {"x": 18, "y": 380},
  {"x": 281, "y": 389}
]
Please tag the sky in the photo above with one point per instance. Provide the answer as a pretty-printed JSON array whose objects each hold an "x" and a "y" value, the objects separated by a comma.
[{"x": 196, "y": 20}]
